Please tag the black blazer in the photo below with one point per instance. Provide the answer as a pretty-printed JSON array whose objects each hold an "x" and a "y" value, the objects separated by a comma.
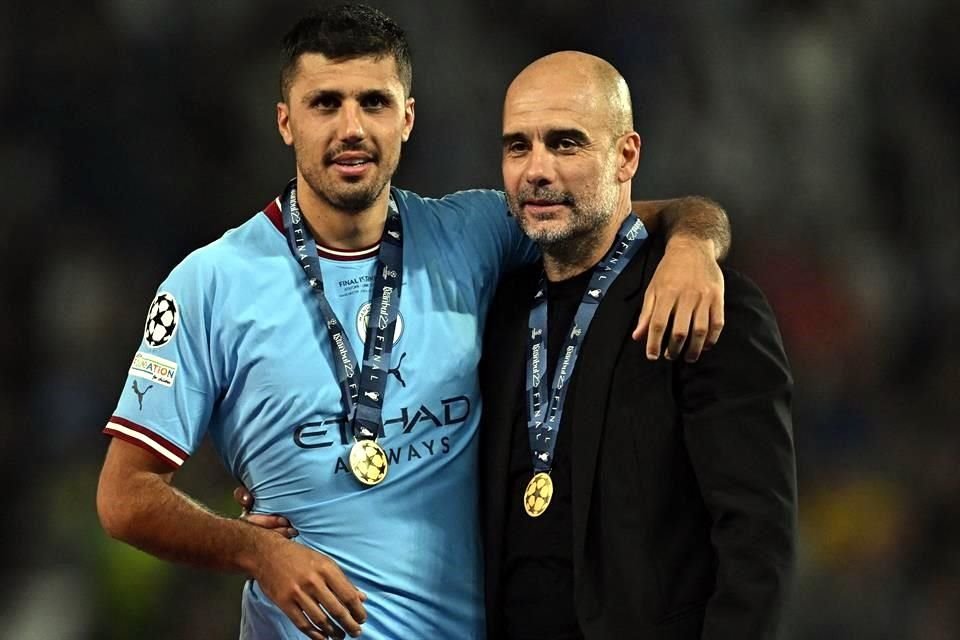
[{"x": 684, "y": 478}]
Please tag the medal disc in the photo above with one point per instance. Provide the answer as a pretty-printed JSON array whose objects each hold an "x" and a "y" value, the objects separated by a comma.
[
  {"x": 537, "y": 497},
  {"x": 368, "y": 461}
]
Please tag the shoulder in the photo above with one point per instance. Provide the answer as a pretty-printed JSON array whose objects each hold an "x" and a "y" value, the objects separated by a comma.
[
  {"x": 229, "y": 255},
  {"x": 462, "y": 201},
  {"x": 750, "y": 348},
  {"x": 744, "y": 299}
]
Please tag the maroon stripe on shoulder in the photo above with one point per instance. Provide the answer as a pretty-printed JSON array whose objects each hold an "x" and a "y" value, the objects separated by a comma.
[
  {"x": 137, "y": 443},
  {"x": 169, "y": 446},
  {"x": 273, "y": 212}
]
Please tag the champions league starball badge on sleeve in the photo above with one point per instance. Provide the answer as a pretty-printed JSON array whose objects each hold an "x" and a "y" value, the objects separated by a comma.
[
  {"x": 537, "y": 497},
  {"x": 368, "y": 462}
]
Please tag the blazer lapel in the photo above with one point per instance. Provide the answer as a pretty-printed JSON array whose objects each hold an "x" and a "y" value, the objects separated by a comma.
[{"x": 615, "y": 320}]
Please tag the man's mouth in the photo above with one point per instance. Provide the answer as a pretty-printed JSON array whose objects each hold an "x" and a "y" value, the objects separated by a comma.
[
  {"x": 351, "y": 164},
  {"x": 351, "y": 158},
  {"x": 541, "y": 203},
  {"x": 539, "y": 207}
]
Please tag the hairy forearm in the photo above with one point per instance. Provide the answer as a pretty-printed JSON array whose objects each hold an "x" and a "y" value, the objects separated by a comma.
[
  {"x": 152, "y": 515},
  {"x": 691, "y": 217}
]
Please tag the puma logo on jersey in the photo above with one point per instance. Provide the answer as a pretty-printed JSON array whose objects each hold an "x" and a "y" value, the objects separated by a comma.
[
  {"x": 396, "y": 370},
  {"x": 140, "y": 394}
]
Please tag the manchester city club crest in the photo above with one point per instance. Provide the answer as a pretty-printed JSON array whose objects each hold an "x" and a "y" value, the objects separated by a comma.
[{"x": 363, "y": 317}]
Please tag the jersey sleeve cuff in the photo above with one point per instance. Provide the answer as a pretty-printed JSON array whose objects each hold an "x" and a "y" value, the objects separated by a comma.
[{"x": 138, "y": 435}]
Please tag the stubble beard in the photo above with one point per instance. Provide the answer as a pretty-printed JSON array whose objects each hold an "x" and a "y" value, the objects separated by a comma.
[
  {"x": 574, "y": 242},
  {"x": 351, "y": 198}
]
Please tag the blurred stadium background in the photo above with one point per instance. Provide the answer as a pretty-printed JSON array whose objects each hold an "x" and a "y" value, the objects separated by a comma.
[{"x": 134, "y": 131}]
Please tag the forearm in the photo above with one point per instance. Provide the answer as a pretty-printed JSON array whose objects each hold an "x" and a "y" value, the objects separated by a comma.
[
  {"x": 688, "y": 218},
  {"x": 150, "y": 514}
]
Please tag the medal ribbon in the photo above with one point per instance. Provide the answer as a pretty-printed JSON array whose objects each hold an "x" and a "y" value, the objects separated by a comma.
[
  {"x": 361, "y": 389},
  {"x": 544, "y": 411}
]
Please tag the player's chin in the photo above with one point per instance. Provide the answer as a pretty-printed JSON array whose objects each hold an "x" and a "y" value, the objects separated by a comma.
[{"x": 540, "y": 229}]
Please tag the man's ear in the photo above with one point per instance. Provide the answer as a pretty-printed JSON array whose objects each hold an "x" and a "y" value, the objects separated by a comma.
[
  {"x": 283, "y": 123},
  {"x": 628, "y": 156},
  {"x": 408, "y": 117}
]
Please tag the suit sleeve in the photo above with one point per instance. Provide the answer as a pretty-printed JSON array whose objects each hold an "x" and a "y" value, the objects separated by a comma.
[
  {"x": 170, "y": 390},
  {"x": 738, "y": 431}
]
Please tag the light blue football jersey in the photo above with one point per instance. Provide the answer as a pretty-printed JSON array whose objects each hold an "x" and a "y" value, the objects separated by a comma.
[{"x": 235, "y": 347}]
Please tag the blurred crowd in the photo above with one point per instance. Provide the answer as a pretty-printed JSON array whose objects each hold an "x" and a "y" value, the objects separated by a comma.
[{"x": 134, "y": 131}]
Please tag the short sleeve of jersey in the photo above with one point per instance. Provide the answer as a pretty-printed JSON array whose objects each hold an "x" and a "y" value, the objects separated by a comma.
[
  {"x": 492, "y": 230},
  {"x": 170, "y": 390}
]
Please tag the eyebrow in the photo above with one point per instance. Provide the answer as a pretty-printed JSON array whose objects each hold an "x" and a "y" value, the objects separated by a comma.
[
  {"x": 550, "y": 136},
  {"x": 317, "y": 94},
  {"x": 574, "y": 134},
  {"x": 510, "y": 138}
]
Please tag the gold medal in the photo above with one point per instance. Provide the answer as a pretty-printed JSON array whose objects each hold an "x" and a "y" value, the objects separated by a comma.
[
  {"x": 537, "y": 497},
  {"x": 368, "y": 461}
]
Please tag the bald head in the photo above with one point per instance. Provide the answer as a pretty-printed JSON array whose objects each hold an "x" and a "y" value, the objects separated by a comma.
[
  {"x": 591, "y": 81},
  {"x": 569, "y": 154}
]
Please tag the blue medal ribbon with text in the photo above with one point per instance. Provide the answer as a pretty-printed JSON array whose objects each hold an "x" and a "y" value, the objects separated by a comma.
[
  {"x": 545, "y": 404},
  {"x": 362, "y": 389}
]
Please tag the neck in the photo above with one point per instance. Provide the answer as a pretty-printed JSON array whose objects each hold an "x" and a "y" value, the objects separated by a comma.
[
  {"x": 337, "y": 228},
  {"x": 564, "y": 260}
]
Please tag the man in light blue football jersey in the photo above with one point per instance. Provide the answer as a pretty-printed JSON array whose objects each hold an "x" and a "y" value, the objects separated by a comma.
[{"x": 329, "y": 348}]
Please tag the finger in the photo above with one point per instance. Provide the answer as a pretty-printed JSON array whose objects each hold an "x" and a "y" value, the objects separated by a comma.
[
  {"x": 267, "y": 521},
  {"x": 302, "y": 622},
  {"x": 338, "y": 611},
  {"x": 643, "y": 322},
  {"x": 363, "y": 596},
  {"x": 243, "y": 497},
  {"x": 659, "y": 320},
  {"x": 346, "y": 593},
  {"x": 698, "y": 332},
  {"x": 716, "y": 322},
  {"x": 315, "y": 617},
  {"x": 681, "y": 326}
]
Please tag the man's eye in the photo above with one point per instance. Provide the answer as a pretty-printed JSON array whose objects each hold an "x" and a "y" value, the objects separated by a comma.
[
  {"x": 516, "y": 147},
  {"x": 325, "y": 102},
  {"x": 374, "y": 102},
  {"x": 567, "y": 144}
]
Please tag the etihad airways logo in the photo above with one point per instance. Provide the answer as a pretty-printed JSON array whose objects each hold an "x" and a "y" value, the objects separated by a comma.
[{"x": 429, "y": 420}]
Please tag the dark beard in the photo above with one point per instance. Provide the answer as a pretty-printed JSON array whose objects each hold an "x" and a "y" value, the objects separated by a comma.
[{"x": 354, "y": 202}]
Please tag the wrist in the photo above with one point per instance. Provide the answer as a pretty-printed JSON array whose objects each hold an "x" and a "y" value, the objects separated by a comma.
[
  {"x": 253, "y": 547},
  {"x": 680, "y": 240}
]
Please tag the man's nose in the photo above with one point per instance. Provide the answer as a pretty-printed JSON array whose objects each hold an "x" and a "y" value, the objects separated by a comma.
[
  {"x": 351, "y": 124},
  {"x": 539, "y": 170}
]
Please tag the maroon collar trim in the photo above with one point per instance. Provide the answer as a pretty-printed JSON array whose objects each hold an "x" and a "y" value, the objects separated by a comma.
[{"x": 273, "y": 213}]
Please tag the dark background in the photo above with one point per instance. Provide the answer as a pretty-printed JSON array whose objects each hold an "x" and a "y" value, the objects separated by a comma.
[{"x": 134, "y": 131}]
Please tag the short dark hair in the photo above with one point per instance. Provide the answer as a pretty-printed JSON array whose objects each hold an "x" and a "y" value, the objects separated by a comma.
[{"x": 344, "y": 32}]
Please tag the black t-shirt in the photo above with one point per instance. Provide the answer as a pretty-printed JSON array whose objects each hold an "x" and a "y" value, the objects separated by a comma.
[{"x": 538, "y": 552}]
